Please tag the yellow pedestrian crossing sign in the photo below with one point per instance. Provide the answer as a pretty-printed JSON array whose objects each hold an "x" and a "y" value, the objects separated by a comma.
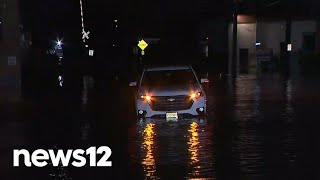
[{"x": 142, "y": 45}]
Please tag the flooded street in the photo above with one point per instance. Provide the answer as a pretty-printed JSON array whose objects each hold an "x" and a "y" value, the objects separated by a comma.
[
  {"x": 159, "y": 90},
  {"x": 258, "y": 128},
  {"x": 264, "y": 128}
]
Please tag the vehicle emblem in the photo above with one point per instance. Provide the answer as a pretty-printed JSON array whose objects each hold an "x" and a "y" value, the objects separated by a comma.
[{"x": 171, "y": 99}]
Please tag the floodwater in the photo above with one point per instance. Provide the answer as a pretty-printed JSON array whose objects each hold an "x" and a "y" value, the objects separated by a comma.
[{"x": 257, "y": 128}]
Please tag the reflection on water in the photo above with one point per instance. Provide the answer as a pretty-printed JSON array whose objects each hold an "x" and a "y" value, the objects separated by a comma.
[
  {"x": 193, "y": 149},
  {"x": 264, "y": 140},
  {"x": 200, "y": 147},
  {"x": 289, "y": 140},
  {"x": 148, "y": 162},
  {"x": 289, "y": 98},
  {"x": 248, "y": 147},
  {"x": 193, "y": 143},
  {"x": 175, "y": 150}
]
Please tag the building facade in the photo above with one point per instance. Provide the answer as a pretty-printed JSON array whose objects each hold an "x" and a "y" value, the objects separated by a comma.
[{"x": 263, "y": 41}]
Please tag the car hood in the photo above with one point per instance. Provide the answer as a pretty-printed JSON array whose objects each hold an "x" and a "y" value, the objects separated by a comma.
[{"x": 174, "y": 90}]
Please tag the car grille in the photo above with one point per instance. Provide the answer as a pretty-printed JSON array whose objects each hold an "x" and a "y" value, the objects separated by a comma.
[{"x": 171, "y": 103}]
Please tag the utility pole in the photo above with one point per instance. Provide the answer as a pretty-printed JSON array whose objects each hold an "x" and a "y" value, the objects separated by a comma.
[
  {"x": 288, "y": 41},
  {"x": 234, "y": 39},
  {"x": 85, "y": 34},
  {"x": 288, "y": 36}
]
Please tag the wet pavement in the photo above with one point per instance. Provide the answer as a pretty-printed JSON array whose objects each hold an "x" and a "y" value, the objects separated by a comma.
[{"x": 257, "y": 128}]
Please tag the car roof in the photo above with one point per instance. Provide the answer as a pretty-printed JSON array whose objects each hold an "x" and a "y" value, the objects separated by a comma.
[{"x": 168, "y": 68}]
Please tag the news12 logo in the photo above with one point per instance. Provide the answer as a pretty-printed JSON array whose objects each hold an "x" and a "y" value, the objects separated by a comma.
[{"x": 40, "y": 157}]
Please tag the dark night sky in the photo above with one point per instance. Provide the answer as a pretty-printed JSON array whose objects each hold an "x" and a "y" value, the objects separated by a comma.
[
  {"x": 45, "y": 17},
  {"x": 58, "y": 11}
]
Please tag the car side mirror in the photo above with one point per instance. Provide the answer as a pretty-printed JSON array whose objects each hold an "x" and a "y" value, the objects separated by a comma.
[
  {"x": 204, "y": 80},
  {"x": 133, "y": 84}
]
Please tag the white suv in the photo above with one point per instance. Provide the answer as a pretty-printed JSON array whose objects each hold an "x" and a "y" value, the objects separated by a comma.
[{"x": 170, "y": 91}]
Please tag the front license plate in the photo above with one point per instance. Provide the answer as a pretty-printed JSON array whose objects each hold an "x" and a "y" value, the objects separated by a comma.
[{"x": 172, "y": 116}]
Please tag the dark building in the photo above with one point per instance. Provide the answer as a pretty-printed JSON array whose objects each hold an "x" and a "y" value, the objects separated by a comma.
[{"x": 10, "y": 51}]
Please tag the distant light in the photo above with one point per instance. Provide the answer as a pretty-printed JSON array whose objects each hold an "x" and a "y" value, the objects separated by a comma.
[
  {"x": 59, "y": 43},
  {"x": 207, "y": 38},
  {"x": 258, "y": 44},
  {"x": 86, "y": 45},
  {"x": 113, "y": 45},
  {"x": 289, "y": 47},
  {"x": 116, "y": 25},
  {"x": 91, "y": 52},
  {"x": 115, "y": 20}
]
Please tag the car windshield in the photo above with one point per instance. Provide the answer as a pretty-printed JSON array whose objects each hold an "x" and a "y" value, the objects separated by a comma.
[{"x": 168, "y": 78}]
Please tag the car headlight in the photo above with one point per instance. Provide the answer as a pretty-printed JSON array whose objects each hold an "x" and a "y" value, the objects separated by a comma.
[
  {"x": 146, "y": 97},
  {"x": 196, "y": 95}
]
